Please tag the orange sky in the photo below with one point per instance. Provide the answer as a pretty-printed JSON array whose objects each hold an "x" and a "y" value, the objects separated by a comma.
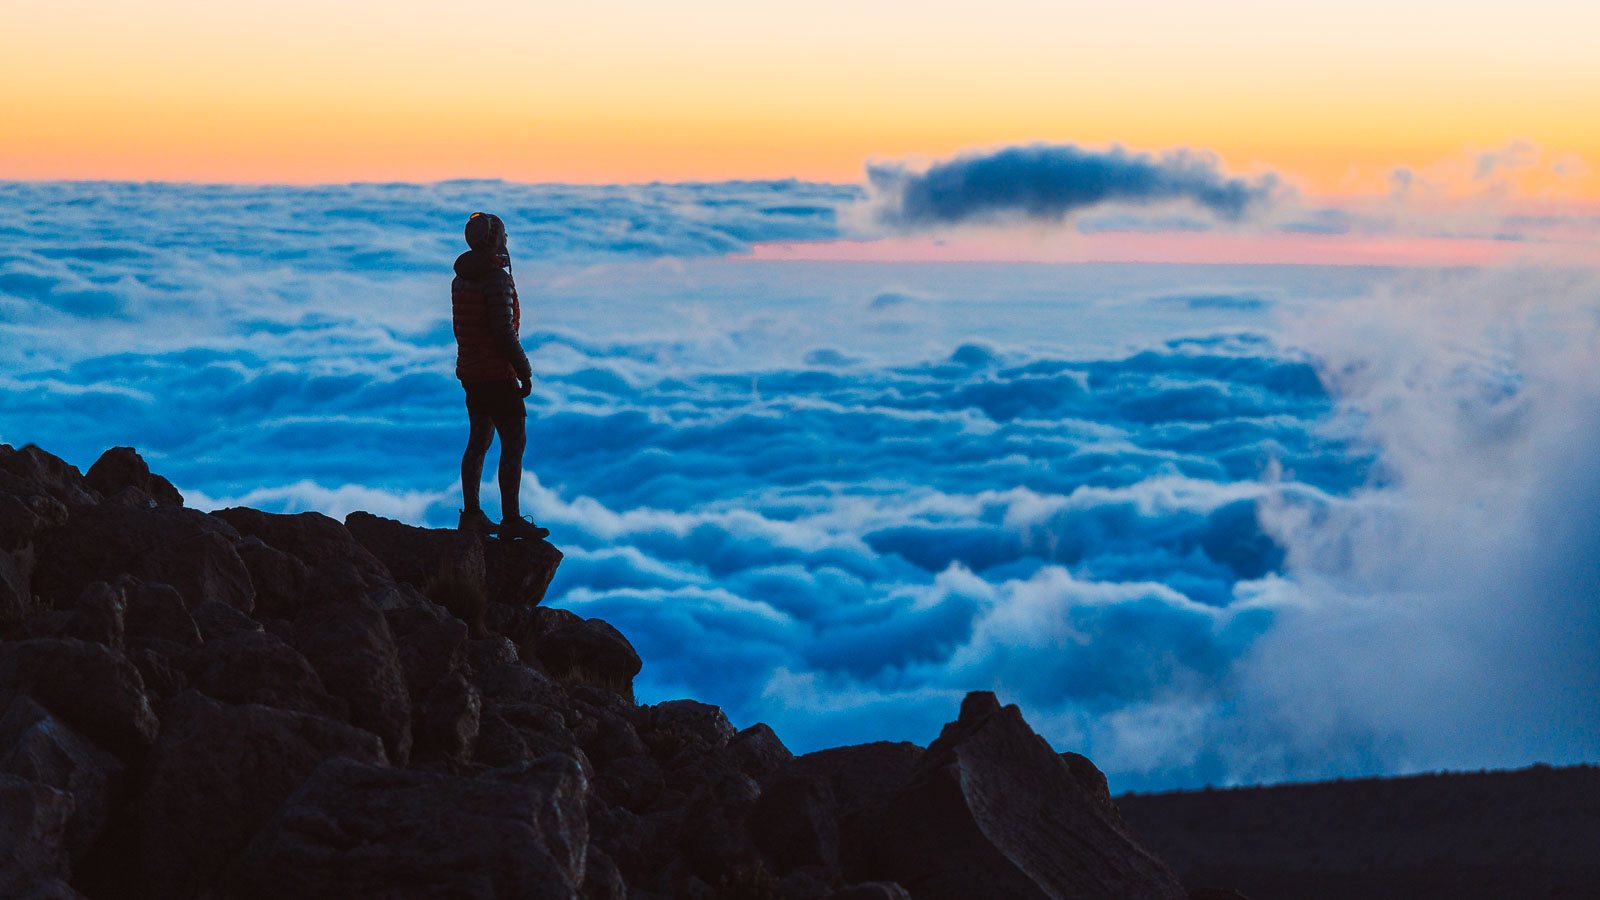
[{"x": 1335, "y": 95}]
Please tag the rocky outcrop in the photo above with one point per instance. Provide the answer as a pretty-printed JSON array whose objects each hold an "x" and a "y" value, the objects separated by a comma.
[
  {"x": 986, "y": 812},
  {"x": 357, "y": 830},
  {"x": 248, "y": 704}
]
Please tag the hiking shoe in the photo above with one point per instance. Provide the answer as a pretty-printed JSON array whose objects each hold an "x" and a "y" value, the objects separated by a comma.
[
  {"x": 512, "y": 529},
  {"x": 475, "y": 521}
]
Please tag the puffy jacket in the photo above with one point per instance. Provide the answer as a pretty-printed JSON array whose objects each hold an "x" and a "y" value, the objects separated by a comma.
[{"x": 486, "y": 317}]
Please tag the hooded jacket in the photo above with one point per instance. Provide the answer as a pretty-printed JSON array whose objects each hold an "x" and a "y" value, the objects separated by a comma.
[{"x": 486, "y": 317}]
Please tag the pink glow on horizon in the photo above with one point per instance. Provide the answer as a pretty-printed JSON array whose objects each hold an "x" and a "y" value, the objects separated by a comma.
[{"x": 1185, "y": 247}]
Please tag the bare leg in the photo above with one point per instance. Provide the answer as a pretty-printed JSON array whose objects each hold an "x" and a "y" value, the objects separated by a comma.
[
  {"x": 513, "y": 439},
  {"x": 478, "y": 441}
]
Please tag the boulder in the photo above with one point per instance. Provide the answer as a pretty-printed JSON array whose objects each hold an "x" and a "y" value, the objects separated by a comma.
[
  {"x": 16, "y": 593},
  {"x": 518, "y": 573},
  {"x": 25, "y": 510},
  {"x": 218, "y": 621},
  {"x": 758, "y": 752},
  {"x": 360, "y": 831},
  {"x": 313, "y": 538},
  {"x": 677, "y": 724},
  {"x": 99, "y": 615},
  {"x": 431, "y": 651},
  {"x": 445, "y": 564},
  {"x": 33, "y": 826},
  {"x": 51, "y": 474},
  {"x": 347, "y": 641},
  {"x": 632, "y": 782},
  {"x": 123, "y": 467},
  {"x": 92, "y": 687},
  {"x": 281, "y": 580},
  {"x": 157, "y": 612},
  {"x": 445, "y": 721},
  {"x": 44, "y": 749},
  {"x": 256, "y": 667},
  {"x": 795, "y": 823},
  {"x": 590, "y": 652},
  {"x": 988, "y": 811},
  {"x": 871, "y": 890},
  {"x": 185, "y": 548},
  {"x": 714, "y": 838},
  {"x": 218, "y": 773},
  {"x": 489, "y": 652}
]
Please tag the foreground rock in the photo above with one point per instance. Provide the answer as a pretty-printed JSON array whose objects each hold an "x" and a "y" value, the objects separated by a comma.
[
  {"x": 251, "y": 704},
  {"x": 358, "y": 830},
  {"x": 988, "y": 811}
]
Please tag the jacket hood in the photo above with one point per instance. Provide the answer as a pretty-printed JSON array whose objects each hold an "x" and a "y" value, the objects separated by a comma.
[{"x": 473, "y": 265}]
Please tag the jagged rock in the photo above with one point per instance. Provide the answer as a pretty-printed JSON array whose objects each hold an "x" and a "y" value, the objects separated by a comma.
[
  {"x": 431, "y": 649},
  {"x": 256, "y": 667},
  {"x": 518, "y": 624},
  {"x": 604, "y": 726},
  {"x": 356, "y": 831},
  {"x": 601, "y": 878},
  {"x": 218, "y": 773},
  {"x": 313, "y": 538},
  {"x": 489, "y": 652},
  {"x": 98, "y": 616},
  {"x": 157, "y": 612},
  {"x": 539, "y": 731},
  {"x": 16, "y": 593},
  {"x": 513, "y": 683},
  {"x": 757, "y": 752},
  {"x": 123, "y": 467},
  {"x": 347, "y": 641},
  {"x": 446, "y": 720},
  {"x": 91, "y": 686},
  {"x": 678, "y": 723},
  {"x": 185, "y": 548},
  {"x": 33, "y": 827},
  {"x": 162, "y": 665},
  {"x": 632, "y": 782},
  {"x": 218, "y": 621},
  {"x": 281, "y": 580},
  {"x": 714, "y": 837},
  {"x": 445, "y": 563},
  {"x": 795, "y": 823},
  {"x": 988, "y": 811},
  {"x": 25, "y": 510},
  {"x": 44, "y": 749},
  {"x": 51, "y": 473},
  {"x": 590, "y": 652},
  {"x": 519, "y": 572},
  {"x": 871, "y": 890}
]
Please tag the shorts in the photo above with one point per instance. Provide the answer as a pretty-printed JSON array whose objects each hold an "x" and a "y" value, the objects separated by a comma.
[{"x": 499, "y": 400}]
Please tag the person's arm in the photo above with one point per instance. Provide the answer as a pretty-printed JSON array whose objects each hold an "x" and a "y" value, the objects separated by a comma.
[{"x": 497, "y": 296}]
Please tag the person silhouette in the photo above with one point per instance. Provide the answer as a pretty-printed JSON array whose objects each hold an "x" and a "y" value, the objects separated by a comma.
[{"x": 495, "y": 374}]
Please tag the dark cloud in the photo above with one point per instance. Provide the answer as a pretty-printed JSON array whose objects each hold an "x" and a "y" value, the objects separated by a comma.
[{"x": 1049, "y": 182}]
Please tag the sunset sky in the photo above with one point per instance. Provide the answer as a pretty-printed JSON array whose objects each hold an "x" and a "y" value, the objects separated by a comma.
[{"x": 1334, "y": 96}]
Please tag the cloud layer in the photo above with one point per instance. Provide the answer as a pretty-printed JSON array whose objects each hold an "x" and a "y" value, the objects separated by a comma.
[{"x": 1206, "y": 524}]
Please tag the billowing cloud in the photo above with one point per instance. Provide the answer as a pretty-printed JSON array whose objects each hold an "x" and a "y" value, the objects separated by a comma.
[
  {"x": 1050, "y": 182},
  {"x": 835, "y": 497}
]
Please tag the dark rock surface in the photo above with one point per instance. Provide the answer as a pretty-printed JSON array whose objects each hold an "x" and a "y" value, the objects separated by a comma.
[
  {"x": 217, "y": 774},
  {"x": 123, "y": 467},
  {"x": 987, "y": 811},
  {"x": 357, "y": 830},
  {"x": 1527, "y": 833}
]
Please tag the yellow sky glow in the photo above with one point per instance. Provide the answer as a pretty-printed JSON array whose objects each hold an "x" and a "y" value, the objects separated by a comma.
[{"x": 1335, "y": 95}]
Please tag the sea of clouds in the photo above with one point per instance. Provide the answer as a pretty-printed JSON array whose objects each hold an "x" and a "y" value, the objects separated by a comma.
[{"x": 1206, "y": 524}]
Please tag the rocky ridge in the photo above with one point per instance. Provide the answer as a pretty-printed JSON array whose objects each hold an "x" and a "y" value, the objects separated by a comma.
[{"x": 246, "y": 704}]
